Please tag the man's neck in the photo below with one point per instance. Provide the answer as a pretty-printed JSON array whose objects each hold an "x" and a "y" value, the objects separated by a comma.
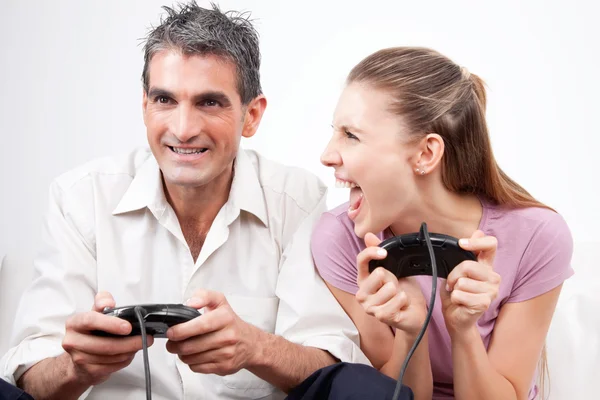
[
  {"x": 197, "y": 207},
  {"x": 202, "y": 203}
]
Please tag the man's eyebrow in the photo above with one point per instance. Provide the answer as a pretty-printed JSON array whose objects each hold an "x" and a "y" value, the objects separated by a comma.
[
  {"x": 155, "y": 92},
  {"x": 214, "y": 95}
]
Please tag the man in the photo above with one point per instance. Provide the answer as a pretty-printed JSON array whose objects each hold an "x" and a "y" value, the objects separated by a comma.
[{"x": 196, "y": 220}]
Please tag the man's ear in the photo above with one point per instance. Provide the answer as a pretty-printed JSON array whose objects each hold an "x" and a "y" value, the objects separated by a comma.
[
  {"x": 144, "y": 103},
  {"x": 429, "y": 157},
  {"x": 254, "y": 112}
]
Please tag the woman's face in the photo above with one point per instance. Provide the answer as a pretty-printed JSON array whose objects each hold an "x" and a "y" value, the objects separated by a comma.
[{"x": 371, "y": 154}]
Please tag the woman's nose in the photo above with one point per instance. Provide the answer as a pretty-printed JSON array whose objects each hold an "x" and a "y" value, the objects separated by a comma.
[{"x": 331, "y": 157}]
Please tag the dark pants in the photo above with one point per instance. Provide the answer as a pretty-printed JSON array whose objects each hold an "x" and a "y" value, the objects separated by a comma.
[
  {"x": 9, "y": 392},
  {"x": 343, "y": 381}
]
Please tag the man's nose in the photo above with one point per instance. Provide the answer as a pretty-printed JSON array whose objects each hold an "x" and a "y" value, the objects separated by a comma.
[{"x": 186, "y": 124}]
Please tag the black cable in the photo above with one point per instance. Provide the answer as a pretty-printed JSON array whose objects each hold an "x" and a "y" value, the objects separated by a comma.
[
  {"x": 423, "y": 234},
  {"x": 138, "y": 313}
]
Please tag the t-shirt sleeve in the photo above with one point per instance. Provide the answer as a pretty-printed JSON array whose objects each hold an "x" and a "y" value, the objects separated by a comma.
[
  {"x": 546, "y": 262},
  {"x": 334, "y": 249}
]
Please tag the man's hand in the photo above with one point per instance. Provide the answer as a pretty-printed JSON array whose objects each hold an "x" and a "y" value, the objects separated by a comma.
[
  {"x": 93, "y": 359},
  {"x": 217, "y": 342}
]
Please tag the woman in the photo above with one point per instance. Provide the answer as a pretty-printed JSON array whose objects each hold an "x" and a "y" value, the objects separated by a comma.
[{"x": 410, "y": 140}]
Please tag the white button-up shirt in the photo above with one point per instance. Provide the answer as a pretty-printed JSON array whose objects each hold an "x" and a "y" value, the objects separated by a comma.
[{"x": 110, "y": 228}]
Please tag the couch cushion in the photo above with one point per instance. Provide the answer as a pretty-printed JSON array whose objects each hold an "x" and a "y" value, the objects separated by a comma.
[
  {"x": 574, "y": 338},
  {"x": 15, "y": 275}
]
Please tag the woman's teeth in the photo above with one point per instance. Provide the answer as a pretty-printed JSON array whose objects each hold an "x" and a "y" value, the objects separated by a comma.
[
  {"x": 345, "y": 184},
  {"x": 354, "y": 206}
]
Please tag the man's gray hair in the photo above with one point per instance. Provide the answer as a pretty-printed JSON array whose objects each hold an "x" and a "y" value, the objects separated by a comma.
[{"x": 194, "y": 30}]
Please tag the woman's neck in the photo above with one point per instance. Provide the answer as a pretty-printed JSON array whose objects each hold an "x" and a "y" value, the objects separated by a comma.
[{"x": 445, "y": 212}]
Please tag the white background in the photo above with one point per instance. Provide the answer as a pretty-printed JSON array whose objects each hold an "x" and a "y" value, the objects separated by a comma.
[{"x": 70, "y": 88}]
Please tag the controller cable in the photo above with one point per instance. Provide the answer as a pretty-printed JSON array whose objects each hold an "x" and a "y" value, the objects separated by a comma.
[
  {"x": 423, "y": 235},
  {"x": 139, "y": 313}
]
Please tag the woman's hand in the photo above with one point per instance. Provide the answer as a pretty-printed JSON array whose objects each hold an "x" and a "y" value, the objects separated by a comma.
[
  {"x": 397, "y": 303},
  {"x": 471, "y": 286}
]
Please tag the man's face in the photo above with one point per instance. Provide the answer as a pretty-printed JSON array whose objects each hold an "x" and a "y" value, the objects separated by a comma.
[{"x": 194, "y": 117}]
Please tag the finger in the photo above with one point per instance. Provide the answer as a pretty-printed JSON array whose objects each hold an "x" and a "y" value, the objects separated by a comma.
[
  {"x": 389, "y": 310},
  {"x": 200, "y": 344},
  {"x": 469, "y": 285},
  {"x": 383, "y": 295},
  {"x": 474, "y": 302},
  {"x": 468, "y": 269},
  {"x": 81, "y": 358},
  {"x": 373, "y": 252},
  {"x": 89, "y": 321},
  {"x": 206, "y": 323},
  {"x": 477, "y": 234},
  {"x": 374, "y": 282},
  {"x": 485, "y": 247},
  {"x": 103, "y": 300},
  {"x": 445, "y": 292},
  {"x": 206, "y": 298},
  {"x": 75, "y": 341},
  {"x": 371, "y": 240}
]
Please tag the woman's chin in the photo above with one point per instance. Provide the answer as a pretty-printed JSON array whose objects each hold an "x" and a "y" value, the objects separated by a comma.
[
  {"x": 366, "y": 225},
  {"x": 361, "y": 234},
  {"x": 361, "y": 228}
]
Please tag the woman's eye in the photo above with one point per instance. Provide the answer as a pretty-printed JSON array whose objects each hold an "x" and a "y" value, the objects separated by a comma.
[{"x": 350, "y": 135}]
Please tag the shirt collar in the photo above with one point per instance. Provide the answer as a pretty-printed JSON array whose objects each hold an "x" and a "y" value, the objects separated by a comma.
[
  {"x": 246, "y": 189},
  {"x": 146, "y": 189}
]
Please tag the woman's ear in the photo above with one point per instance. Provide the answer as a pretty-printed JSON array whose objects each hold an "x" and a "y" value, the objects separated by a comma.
[{"x": 431, "y": 150}]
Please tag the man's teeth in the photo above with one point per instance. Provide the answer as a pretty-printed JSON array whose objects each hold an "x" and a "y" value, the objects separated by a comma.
[
  {"x": 188, "y": 151},
  {"x": 345, "y": 184}
]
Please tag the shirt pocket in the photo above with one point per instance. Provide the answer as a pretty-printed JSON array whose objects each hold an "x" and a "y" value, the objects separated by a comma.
[{"x": 262, "y": 313}]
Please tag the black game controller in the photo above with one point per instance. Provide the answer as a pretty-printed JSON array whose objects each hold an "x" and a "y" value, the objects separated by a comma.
[
  {"x": 158, "y": 318},
  {"x": 407, "y": 255}
]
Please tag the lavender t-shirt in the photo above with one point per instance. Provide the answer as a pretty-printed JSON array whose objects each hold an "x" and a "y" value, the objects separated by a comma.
[{"x": 533, "y": 257}]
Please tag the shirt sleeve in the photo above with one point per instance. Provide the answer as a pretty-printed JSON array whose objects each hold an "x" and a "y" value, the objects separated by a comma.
[
  {"x": 334, "y": 250},
  {"x": 546, "y": 262},
  {"x": 308, "y": 314},
  {"x": 64, "y": 282}
]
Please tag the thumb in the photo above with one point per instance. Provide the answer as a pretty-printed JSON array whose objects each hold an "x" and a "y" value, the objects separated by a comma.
[
  {"x": 363, "y": 258},
  {"x": 103, "y": 300},
  {"x": 206, "y": 298},
  {"x": 477, "y": 234},
  {"x": 444, "y": 293},
  {"x": 371, "y": 240}
]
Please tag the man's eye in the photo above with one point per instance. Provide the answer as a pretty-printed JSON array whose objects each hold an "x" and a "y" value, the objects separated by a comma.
[
  {"x": 162, "y": 99},
  {"x": 210, "y": 103}
]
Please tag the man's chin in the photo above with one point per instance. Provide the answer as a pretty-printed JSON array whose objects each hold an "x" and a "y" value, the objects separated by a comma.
[{"x": 187, "y": 182}]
